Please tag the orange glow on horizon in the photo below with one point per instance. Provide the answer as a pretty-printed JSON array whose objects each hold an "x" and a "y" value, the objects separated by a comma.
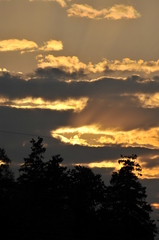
[
  {"x": 103, "y": 164},
  {"x": 152, "y": 173}
]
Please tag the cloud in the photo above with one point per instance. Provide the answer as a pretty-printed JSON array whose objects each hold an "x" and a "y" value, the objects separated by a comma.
[
  {"x": 17, "y": 45},
  {"x": 61, "y": 2},
  {"x": 155, "y": 205},
  {"x": 32, "y": 103},
  {"x": 103, "y": 164},
  {"x": 29, "y": 46},
  {"x": 116, "y": 12},
  {"x": 92, "y": 136},
  {"x": 73, "y": 64},
  {"x": 67, "y": 64},
  {"x": 147, "y": 100},
  {"x": 110, "y": 102},
  {"x": 147, "y": 172},
  {"x": 52, "y": 45}
]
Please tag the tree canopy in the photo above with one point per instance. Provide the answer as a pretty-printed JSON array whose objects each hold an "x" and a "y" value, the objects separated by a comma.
[
  {"x": 50, "y": 201},
  {"x": 127, "y": 201}
]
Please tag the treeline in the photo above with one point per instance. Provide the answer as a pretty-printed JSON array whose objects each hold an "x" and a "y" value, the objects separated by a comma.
[{"x": 49, "y": 201}]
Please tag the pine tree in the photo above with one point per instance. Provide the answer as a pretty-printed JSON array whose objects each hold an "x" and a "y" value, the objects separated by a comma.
[
  {"x": 32, "y": 168},
  {"x": 127, "y": 203}
]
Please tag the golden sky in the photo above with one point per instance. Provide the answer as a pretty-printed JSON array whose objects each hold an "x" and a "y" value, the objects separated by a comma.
[{"x": 84, "y": 74}]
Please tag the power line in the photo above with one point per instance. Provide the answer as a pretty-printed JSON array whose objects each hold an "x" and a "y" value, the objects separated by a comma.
[{"x": 24, "y": 134}]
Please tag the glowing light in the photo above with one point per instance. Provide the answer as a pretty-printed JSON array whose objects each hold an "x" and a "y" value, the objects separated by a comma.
[
  {"x": 155, "y": 205},
  {"x": 1, "y": 162},
  {"x": 92, "y": 136},
  {"x": 103, "y": 164},
  {"x": 76, "y": 105}
]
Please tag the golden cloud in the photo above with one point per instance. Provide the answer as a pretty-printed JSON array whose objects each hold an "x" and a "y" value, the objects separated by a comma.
[
  {"x": 52, "y": 45},
  {"x": 132, "y": 65},
  {"x": 73, "y": 64},
  {"x": 70, "y": 104},
  {"x": 92, "y": 136},
  {"x": 61, "y": 2},
  {"x": 155, "y": 205},
  {"x": 29, "y": 46},
  {"x": 3, "y": 70},
  {"x": 68, "y": 64},
  {"x": 148, "y": 100},
  {"x": 103, "y": 164},
  {"x": 148, "y": 173},
  {"x": 116, "y": 12},
  {"x": 17, "y": 45}
]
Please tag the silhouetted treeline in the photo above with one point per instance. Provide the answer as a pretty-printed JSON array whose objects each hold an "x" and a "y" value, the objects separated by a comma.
[{"x": 50, "y": 201}]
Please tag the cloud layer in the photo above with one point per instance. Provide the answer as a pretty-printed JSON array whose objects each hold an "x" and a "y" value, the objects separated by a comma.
[
  {"x": 72, "y": 64},
  {"x": 116, "y": 12}
]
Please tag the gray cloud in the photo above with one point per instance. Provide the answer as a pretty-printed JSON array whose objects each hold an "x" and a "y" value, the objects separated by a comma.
[
  {"x": 107, "y": 106},
  {"x": 111, "y": 102},
  {"x": 50, "y": 84}
]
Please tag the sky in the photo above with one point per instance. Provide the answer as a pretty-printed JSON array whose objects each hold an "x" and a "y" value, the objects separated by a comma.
[{"x": 84, "y": 75}]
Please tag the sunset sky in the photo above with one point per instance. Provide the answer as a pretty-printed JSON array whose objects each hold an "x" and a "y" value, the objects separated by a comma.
[{"x": 84, "y": 75}]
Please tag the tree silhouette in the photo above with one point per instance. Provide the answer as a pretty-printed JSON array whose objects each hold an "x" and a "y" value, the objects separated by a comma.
[
  {"x": 54, "y": 202},
  {"x": 30, "y": 190},
  {"x": 6, "y": 191},
  {"x": 56, "y": 197},
  {"x": 6, "y": 175},
  {"x": 32, "y": 169},
  {"x": 86, "y": 198},
  {"x": 42, "y": 188},
  {"x": 127, "y": 203}
]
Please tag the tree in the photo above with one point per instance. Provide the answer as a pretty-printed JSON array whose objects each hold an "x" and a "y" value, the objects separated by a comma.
[
  {"x": 30, "y": 189},
  {"x": 33, "y": 167},
  {"x": 6, "y": 175},
  {"x": 127, "y": 202},
  {"x": 42, "y": 193},
  {"x": 87, "y": 191},
  {"x": 6, "y": 191},
  {"x": 56, "y": 197}
]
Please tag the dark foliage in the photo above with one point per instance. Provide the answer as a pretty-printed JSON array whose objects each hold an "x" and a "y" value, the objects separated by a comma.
[
  {"x": 127, "y": 202},
  {"x": 49, "y": 201}
]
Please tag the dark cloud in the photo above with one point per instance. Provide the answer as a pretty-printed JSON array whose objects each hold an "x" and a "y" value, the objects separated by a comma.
[
  {"x": 107, "y": 106},
  {"x": 150, "y": 161},
  {"x": 111, "y": 102},
  {"x": 50, "y": 84},
  {"x": 57, "y": 73}
]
